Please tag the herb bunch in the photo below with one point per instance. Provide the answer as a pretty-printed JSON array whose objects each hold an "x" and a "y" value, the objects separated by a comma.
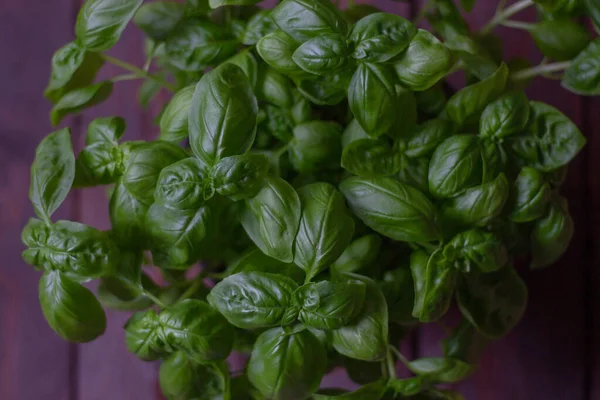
[{"x": 335, "y": 191}]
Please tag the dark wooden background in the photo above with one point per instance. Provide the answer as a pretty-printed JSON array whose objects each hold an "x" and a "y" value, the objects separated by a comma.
[{"x": 553, "y": 354}]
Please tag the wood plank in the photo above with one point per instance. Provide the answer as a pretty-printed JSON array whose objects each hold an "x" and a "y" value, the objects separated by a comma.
[{"x": 34, "y": 361}]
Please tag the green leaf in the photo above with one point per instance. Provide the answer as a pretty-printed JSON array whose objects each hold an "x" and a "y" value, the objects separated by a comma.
[
  {"x": 583, "y": 75},
  {"x": 71, "y": 310},
  {"x": 353, "y": 132},
  {"x": 184, "y": 185},
  {"x": 392, "y": 208},
  {"x": 372, "y": 98},
  {"x": 176, "y": 235},
  {"x": 529, "y": 197},
  {"x": 274, "y": 88},
  {"x": 52, "y": 173},
  {"x": 359, "y": 255},
  {"x": 593, "y": 11},
  {"x": 369, "y": 158},
  {"x": 223, "y": 115},
  {"x": 240, "y": 177},
  {"x": 434, "y": 281},
  {"x": 144, "y": 166},
  {"x": 380, "y": 37},
  {"x": 470, "y": 101},
  {"x": 316, "y": 145},
  {"x": 147, "y": 92},
  {"x": 414, "y": 173},
  {"x": 306, "y": 19},
  {"x": 105, "y": 130},
  {"x": 323, "y": 55},
  {"x": 409, "y": 387},
  {"x": 174, "y": 119},
  {"x": 277, "y": 50},
  {"x": 464, "y": 343},
  {"x": 221, "y": 3},
  {"x": 550, "y": 140},
  {"x": 324, "y": 90},
  {"x": 253, "y": 299},
  {"x": 100, "y": 23},
  {"x": 493, "y": 302},
  {"x": 425, "y": 138},
  {"x": 79, "y": 99},
  {"x": 100, "y": 163},
  {"x": 424, "y": 63},
  {"x": 144, "y": 336},
  {"x": 196, "y": 43},
  {"x": 247, "y": 62},
  {"x": 441, "y": 369},
  {"x": 367, "y": 337},
  {"x": 259, "y": 26},
  {"x": 551, "y": 234},
  {"x": 326, "y": 228},
  {"x": 560, "y": 39},
  {"x": 72, "y": 68},
  {"x": 197, "y": 8},
  {"x": 476, "y": 249},
  {"x": 371, "y": 391},
  {"x": 127, "y": 217},
  {"x": 505, "y": 117},
  {"x": 159, "y": 19},
  {"x": 431, "y": 101},
  {"x": 255, "y": 260},
  {"x": 398, "y": 288}
]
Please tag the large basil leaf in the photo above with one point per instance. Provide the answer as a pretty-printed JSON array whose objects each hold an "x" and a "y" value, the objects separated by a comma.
[
  {"x": 184, "y": 185},
  {"x": 367, "y": 337},
  {"x": 253, "y": 299},
  {"x": 398, "y": 288},
  {"x": 174, "y": 120},
  {"x": 560, "y": 39},
  {"x": 329, "y": 305},
  {"x": 240, "y": 177},
  {"x": 247, "y": 62},
  {"x": 380, "y": 37},
  {"x": 470, "y": 101},
  {"x": 176, "y": 235},
  {"x": 370, "y": 158},
  {"x": 197, "y": 43},
  {"x": 72, "y": 67},
  {"x": 476, "y": 249},
  {"x": 127, "y": 217},
  {"x": 306, "y": 19},
  {"x": 424, "y": 63},
  {"x": 223, "y": 114},
  {"x": 259, "y": 26},
  {"x": 583, "y": 75},
  {"x": 530, "y": 196},
  {"x": 71, "y": 310},
  {"x": 100, "y": 23},
  {"x": 159, "y": 19},
  {"x": 79, "y": 99},
  {"x": 277, "y": 50},
  {"x": 52, "y": 173},
  {"x": 359, "y": 255},
  {"x": 353, "y": 132},
  {"x": 326, "y": 228},
  {"x": 144, "y": 166},
  {"x": 493, "y": 302},
  {"x": 372, "y": 98},
  {"x": 392, "y": 208},
  {"x": 551, "y": 234},
  {"x": 441, "y": 369},
  {"x": 506, "y": 116},
  {"x": 144, "y": 336},
  {"x": 549, "y": 142},
  {"x": 323, "y": 55}
]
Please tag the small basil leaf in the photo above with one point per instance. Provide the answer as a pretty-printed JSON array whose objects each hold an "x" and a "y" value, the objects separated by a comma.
[
  {"x": 441, "y": 369},
  {"x": 182, "y": 378},
  {"x": 530, "y": 196},
  {"x": 476, "y": 249},
  {"x": 409, "y": 387},
  {"x": 287, "y": 364},
  {"x": 105, "y": 130},
  {"x": 380, "y": 37},
  {"x": 274, "y": 88},
  {"x": 323, "y": 54},
  {"x": 255, "y": 260},
  {"x": 79, "y": 99},
  {"x": 551, "y": 234},
  {"x": 316, "y": 145},
  {"x": 505, "y": 117},
  {"x": 359, "y": 255},
  {"x": 100, "y": 23},
  {"x": 183, "y": 185},
  {"x": 52, "y": 173},
  {"x": 100, "y": 163},
  {"x": 424, "y": 63},
  {"x": 127, "y": 217},
  {"x": 144, "y": 336},
  {"x": 324, "y": 90},
  {"x": 240, "y": 177},
  {"x": 560, "y": 39},
  {"x": 372, "y": 97},
  {"x": 71, "y": 310},
  {"x": 259, "y": 26},
  {"x": 493, "y": 302},
  {"x": 414, "y": 173},
  {"x": 174, "y": 119},
  {"x": 398, "y": 288},
  {"x": 425, "y": 138},
  {"x": 583, "y": 75},
  {"x": 223, "y": 114},
  {"x": 278, "y": 123},
  {"x": 277, "y": 49},
  {"x": 353, "y": 132},
  {"x": 306, "y": 19},
  {"x": 159, "y": 19},
  {"x": 464, "y": 343},
  {"x": 369, "y": 158},
  {"x": 247, "y": 62},
  {"x": 392, "y": 208}
]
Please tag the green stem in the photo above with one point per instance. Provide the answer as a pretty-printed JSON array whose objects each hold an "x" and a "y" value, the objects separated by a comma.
[
  {"x": 191, "y": 290},
  {"x": 155, "y": 299},
  {"x": 504, "y": 15},
  {"x": 391, "y": 368},
  {"x": 125, "y": 77},
  {"x": 540, "y": 70},
  {"x": 399, "y": 355},
  {"x": 281, "y": 151},
  {"x": 525, "y": 26},
  {"x": 138, "y": 71}
]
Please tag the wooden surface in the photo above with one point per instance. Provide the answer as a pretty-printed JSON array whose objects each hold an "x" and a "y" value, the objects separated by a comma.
[{"x": 553, "y": 354}]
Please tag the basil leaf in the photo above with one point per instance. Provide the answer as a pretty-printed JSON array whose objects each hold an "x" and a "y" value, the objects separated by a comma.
[
  {"x": 253, "y": 299},
  {"x": 425, "y": 138},
  {"x": 277, "y": 50},
  {"x": 550, "y": 140},
  {"x": 274, "y": 88},
  {"x": 323, "y": 55},
  {"x": 316, "y": 145},
  {"x": 441, "y": 369},
  {"x": 560, "y": 39},
  {"x": 71, "y": 310},
  {"x": 551, "y": 234},
  {"x": 414, "y": 173},
  {"x": 255, "y": 260},
  {"x": 159, "y": 19},
  {"x": 470, "y": 101},
  {"x": 477, "y": 206},
  {"x": 530, "y": 196},
  {"x": 392, "y": 208},
  {"x": 324, "y": 90},
  {"x": 182, "y": 378},
  {"x": 371, "y": 391},
  {"x": 144, "y": 166},
  {"x": 247, "y": 62},
  {"x": 221, "y": 3},
  {"x": 100, "y": 23},
  {"x": 359, "y": 255},
  {"x": 431, "y": 101},
  {"x": 464, "y": 343},
  {"x": 476, "y": 249},
  {"x": 380, "y": 37},
  {"x": 367, "y": 337},
  {"x": 259, "y": 26},
  {"x": 144, "y": 336},
  {"x": 240, "y": 177},
  {"x": 409, "y": 386},
  {"x": 505, "y": 117},
  {"x": 184, "y": 185},
  {"x": 593, "y": 11},
  {"x": 52, "y": 173},
  {"x": 99, "y": 164},
  {"x": 287, "y": 364},
  {"x": 105, "y": 130},
  {"x": 72, "y": 68},
  {"x": 223, "y": 115},
  {"x": 372, "y": 97},
  {"x": 493, "y": 302},
  {"x": 306, "y": 19},
  {"x": 583, "y": 75},
  {"x": 398, "y": 288},
  {"x": 174, "y": 119},
  {"x": 127, "y": 217},
  {"x": 424, "y": 63},
  {"x": 79, "y": 99},
  {"x": 353, "y": 132},
  {"x": 369, "y": 158}
]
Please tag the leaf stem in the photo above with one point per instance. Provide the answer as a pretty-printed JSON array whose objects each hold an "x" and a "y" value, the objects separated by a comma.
[
  {"x": 505, "y": 14},
  {"x": 525, "y": 26},
  {"x": 138, "y": 71},
  {"x": 155, "y": 299},
  {"x": 125, "y": 77},
  {"x": 540, "y": 70},
  {"x": 399, "y": 355},
  {"x": 391, "y": 368},
  {"x": 281, "y": 151},
  {"x": 191, "y": 290}
]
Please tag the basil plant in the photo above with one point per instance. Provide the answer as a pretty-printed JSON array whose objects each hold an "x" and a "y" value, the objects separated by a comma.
[{"x": 334, "y": 190}]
